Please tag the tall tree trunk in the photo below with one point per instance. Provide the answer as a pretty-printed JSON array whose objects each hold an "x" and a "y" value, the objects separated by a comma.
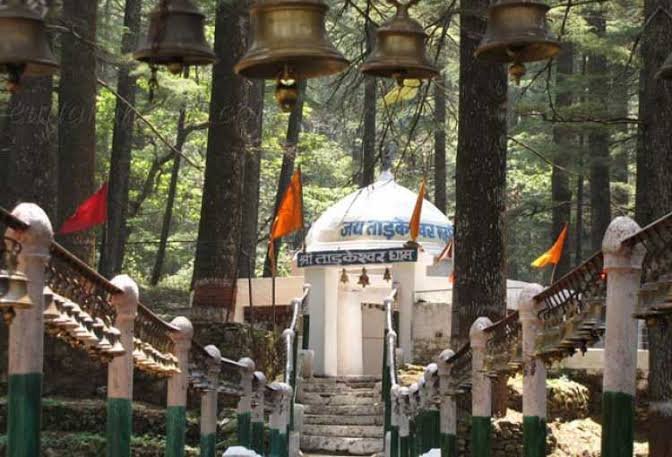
[
  {"x": 29, "y": 159},
  {"x": 249, "y": 236},
  {"x": 598, "y": 138},
  {"x": 77, "y": 119},
  {"x": 288, "y": 159},
  {"x": 114, "y": 247},
  {"x": 578, "y": 243},
  {"x": 480, "y": 258},
  {"x": 181, "y": 138},
  {"x": 564, "y": 140},
  {"x": 440, "y": 199},
  {"x": 216, "y": 264},
  {"x": 369, "y": 135},
  {"x": 480, "y": 281},
  {"x": 654, "y": 199}
]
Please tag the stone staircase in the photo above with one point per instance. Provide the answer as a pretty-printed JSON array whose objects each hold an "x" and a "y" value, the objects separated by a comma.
[{"x": 343, "y": 416}]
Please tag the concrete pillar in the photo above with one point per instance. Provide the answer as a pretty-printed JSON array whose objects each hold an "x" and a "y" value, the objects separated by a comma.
[
  {"x": 623, "y": 267},
  {"x": 404, "y": 423},
  {"x": 448, "y": 407},
  {"x": 26, "y": 336},
  {"x": 176, "y": 413},
  {"x": 297, "y": 429},
  {"x": 409, "y": 277},
  {"x": 350, "y": 342},
  {"x": 209, "y": 404},
  {"x": 433, "y": 422},
  {"x": 324, "y": 318},
  {"x": 259, "y": 389},
  {"x": 120, "y": 371},
  {"x": 534, "y": 375},
  {"x": 279, "y": 421},
  {"x": 394, "y": 422},
  {"x": 244, "y": 413},
  {"x": 413, "y": 437},
  {"x": 481, "y": 391}
]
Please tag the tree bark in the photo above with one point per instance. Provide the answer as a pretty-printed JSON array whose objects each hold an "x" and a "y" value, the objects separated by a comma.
[
  {"x": 114, "y": 247},
  {"x": 77, "y": 119},
  {"x": 480, "y": 280},
  {"x": 654, "y": 199},
  {"x": 598, "y": 138},
  {"x": 216, "y": 264},
  {"x": 565, "y": 141},
  {"x": 29, "y": 154},
  {"x": 288, "y": 159},
  {"x": 249, "y": 236},
  {"x": 440, "y": 199},
  {"x": 578, "y": 227},
  {"x": 181, "y": 138}
]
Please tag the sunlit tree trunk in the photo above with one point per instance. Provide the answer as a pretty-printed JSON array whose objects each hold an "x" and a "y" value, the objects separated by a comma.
[
  {"x": 114, "y": 246},
  {"x": 369, "y": 135}
]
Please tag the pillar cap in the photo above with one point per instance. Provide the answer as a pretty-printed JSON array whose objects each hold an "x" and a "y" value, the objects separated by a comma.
[
  {"x": 126, "y": 303},
  {"x": 430, "y": 371},
  {"x": 185, "y": 329},
  {"x": 259, "y": 379},
  {"x": 615, "y": 254},
  {"x": 250, "y": 366},
  {"x": 477, "y": 333},
  {"x": 37, "y": 239},
  {"x": 527, "y": 305}
]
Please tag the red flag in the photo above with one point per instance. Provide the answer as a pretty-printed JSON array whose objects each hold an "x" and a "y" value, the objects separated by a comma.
[{"x": 89, "y": 214}]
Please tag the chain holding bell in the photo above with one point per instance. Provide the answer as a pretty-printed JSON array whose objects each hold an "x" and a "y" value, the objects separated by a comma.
[
  {"x": 175, "y": 37},
  {"x": 24, "y": 48},
  {"x": 400, "y": 51},
  {"x": 517, "y": 33}
]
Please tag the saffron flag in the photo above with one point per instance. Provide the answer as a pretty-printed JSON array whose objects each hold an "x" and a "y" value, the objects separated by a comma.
[
  {"x": 417, "y": 212},
  {"x": 552, "y": 256},
  {"x": 289, "y": 217},
  {"x": 89, "y": 214}
]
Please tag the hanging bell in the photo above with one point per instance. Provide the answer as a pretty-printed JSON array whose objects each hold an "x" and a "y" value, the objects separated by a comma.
[
  {"x": 400, "y": 50},
  {"x": 344, "y": 276},
  {"x": 363, "y": 278},
  {"x": 176, "y": 37},
  {"x": 24, "y": 47},
  {"x": 387, "y": 276},
  {"x": 14, "y": 290},
  {"x": 289, "y": 36},
  {"x": 517, "y": 33},
  {"x": 665, "y": 71}
]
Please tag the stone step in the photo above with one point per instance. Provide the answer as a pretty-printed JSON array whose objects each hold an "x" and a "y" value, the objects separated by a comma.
[
  {"x": 351, "y": 398},
  {"x": 345, "y": 431},
  {"x": 346, "y": 379},
  {"x": 345, "y": 410},
  {"x": 325, "y": 419},
  {"x": 353, "y": 446},
  {"x": 338, "y": 388}
]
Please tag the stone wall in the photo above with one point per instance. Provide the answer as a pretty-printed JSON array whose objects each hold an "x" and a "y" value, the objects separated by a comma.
[{"x": 430, "y": 330}]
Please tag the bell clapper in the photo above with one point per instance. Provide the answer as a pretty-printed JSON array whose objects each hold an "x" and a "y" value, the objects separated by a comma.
[
  {"x": 8, "y": 315},
  {"x": 287, "y": 91},
  {"x": 175, "y": 68},
  {"x": 153, "y": 82},
  {"x": 517, "y": 71},
  {"x": 14, "y": 74}
]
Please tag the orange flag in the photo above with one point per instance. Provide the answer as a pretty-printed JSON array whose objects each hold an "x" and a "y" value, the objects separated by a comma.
[
  {"x": 552, "y": 256},
  {"x": 289, "y": 217},
  {"x": 417, "y": 212}
]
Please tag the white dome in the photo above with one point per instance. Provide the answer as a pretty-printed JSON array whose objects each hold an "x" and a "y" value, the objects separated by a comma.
[{"x": 377, "y": 217}]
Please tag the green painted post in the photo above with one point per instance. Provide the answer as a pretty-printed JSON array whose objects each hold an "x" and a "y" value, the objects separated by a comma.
[
  {"x": 481, "y": 395},
  {"x": 448, "y": 410},
  {"x": 26, "y": 336},
  {"x": 394, "y": 422},
  {"x": 387, "y": 385},
  {"x": 279, "y": 420},
  {"x": 534, "y": 376},
  {"x": 623, "y": 266},
  {"x": 434, "y": 428},
  {"x": 293, "y": 375},
  {"x": 176, "y": 414},
  {"x": 119, "y": 426},
  {"x": 305, "y": 344},
  {"x": 259, "y": 386},
  {"x": 209, "y": 404},
  {"x": 244, "y": 413}
]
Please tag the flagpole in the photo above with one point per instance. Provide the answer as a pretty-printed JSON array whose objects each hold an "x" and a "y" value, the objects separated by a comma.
[
  {"x": 273, "y": 274},
  {"x": 555, "y": 267}
]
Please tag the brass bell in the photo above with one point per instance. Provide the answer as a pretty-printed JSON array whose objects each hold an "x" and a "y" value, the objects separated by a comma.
[
  {"x": 289, "y": 36},
  {"x": 24, "y": 48},
  {"x": 400, "y": 50},
  {"x": 517, "y": 33},
  {"x": 175, "y": 37},
  {"x": 665, "y": 71},
  {"x": 364, "y": 279},
  {"x": 344, "y": 276},
  {"x": 387, "y": 276},
  {"x": 14, "y": 290}
]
